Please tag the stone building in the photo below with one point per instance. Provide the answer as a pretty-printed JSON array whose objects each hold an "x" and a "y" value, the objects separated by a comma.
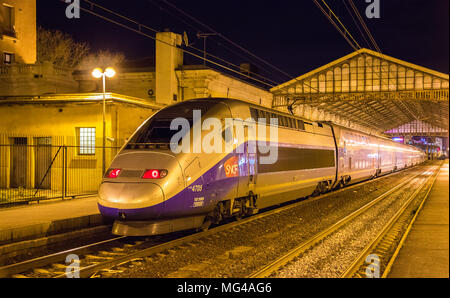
[
  {"x": 169, "y": 81},
  {"x": 18, "y": 31}
]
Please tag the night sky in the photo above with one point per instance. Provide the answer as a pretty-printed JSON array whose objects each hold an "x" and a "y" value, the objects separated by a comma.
[{"x": 292, "y": 35}]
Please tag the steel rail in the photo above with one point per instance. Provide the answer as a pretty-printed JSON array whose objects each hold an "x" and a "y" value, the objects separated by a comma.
[
  {"x": 408, "y": 229},
  {"x": 274, "y": 266},
  {"x": 90, "y": 270},
  {"x": 9, "y": 270},
  {"x": 353, "y": 269}
]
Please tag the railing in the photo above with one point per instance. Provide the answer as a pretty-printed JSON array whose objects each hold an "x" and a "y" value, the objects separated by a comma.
[
  {"x": 4, "y": 70},
  {"x": 40, "y": 172}
]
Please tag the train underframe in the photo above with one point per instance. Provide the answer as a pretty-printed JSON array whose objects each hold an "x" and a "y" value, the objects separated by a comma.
[{"x": 229, "y": 209}]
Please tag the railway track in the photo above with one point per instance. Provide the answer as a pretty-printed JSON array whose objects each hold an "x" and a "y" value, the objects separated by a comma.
[
  {"x": 95, "y": 260},
  {"x": 378, "y": 248}
]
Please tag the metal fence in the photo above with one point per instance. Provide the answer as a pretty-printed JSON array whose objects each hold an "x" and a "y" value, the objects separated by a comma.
[{"x": 42, "y": 171}]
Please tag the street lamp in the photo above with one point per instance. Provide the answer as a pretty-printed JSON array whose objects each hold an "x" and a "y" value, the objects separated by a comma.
[{"x": 99, "y": 73}]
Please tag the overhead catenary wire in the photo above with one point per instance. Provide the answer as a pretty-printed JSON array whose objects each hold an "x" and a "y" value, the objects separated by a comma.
[
  {"x": 234, "y": 65},
  {"x": 343, "y": 26},
  {"x": 227, "y": 39},
  {"x": 361, "y": 20},
  {"x": 357, "y": 25},
  {"x": 356, "y": 46},
  {"x": 219, "y": 34},
  {"x": 374, "y": 43},
  {"x": 209, "y": 54},
  {"x": 343, "y": 31},
  {"x": 139, "y": 31},
  {"x": 92, "y": 4},
  {"x": 259, "y": 65}
]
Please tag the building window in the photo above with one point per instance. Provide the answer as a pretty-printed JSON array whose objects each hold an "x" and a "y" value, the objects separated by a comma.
[
  {"x": 8, "y": 58},
  {"x": 7, "y": 23},
  {"x": 86, "y": 140}
]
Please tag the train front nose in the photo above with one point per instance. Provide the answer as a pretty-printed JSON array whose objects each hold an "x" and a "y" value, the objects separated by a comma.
[
  {"x": 130, "y": 201},
  {"x": 132, "y": 190}
]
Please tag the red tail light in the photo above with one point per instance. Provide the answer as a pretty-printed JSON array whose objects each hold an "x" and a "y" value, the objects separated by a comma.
[
  {"x": 154, "y": 174},
  {"x": 113, "y": 173}
]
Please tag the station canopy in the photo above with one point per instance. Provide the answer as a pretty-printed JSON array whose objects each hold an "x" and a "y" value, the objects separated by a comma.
[{"x": 374, "y": 91}]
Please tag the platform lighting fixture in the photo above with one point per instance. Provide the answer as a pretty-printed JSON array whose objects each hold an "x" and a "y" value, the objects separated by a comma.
[{"x": 99, "y": 73}]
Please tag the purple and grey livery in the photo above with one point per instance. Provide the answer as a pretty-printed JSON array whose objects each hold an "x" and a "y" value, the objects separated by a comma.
[{"x": 204, "y": 188}]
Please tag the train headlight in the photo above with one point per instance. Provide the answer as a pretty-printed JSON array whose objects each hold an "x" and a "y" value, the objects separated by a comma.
[{"x": 154, "y": 174}]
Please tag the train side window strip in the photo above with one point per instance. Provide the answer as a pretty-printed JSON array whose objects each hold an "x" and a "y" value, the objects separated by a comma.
[
  {"x": 283, "y": 121},
  {"x": 290, "y": 159}
]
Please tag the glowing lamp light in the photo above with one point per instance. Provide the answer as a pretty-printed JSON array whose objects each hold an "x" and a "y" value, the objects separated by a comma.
[
  {"x": 110, "y": 72},
  {"x": 97, "y": 73},
  {"x": 113, "y": 173},
  {"x": 154, "y": 174}
]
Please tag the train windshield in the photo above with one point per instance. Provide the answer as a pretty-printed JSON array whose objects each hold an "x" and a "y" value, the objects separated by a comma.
[{"x": 157, "y": 129}]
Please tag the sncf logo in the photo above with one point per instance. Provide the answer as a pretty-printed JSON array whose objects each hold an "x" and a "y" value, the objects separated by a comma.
[{"x": 231, "y": 167}]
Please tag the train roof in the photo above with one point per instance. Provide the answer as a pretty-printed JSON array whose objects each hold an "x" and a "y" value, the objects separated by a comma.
[{"x": 251, "y": 104}]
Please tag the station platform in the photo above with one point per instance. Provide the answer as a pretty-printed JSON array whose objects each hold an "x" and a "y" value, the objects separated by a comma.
[
  {"x": 425, "y": 252},
  {"x": 48, "y": 218}
]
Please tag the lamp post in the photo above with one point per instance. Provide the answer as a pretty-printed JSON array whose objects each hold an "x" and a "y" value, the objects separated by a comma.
[{"x": 99, "y": 73}]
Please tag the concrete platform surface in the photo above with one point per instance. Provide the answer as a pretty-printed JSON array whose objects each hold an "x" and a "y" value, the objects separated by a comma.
[
  {"x": 425, "y": 252},
  {"x": 48, "y": 218}
]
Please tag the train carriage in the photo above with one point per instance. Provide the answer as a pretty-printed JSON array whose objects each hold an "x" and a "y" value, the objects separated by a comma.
[{"x": 156, "y": 185}]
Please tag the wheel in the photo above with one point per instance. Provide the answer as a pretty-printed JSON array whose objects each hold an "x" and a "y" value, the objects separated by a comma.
[
  {"x": 320, "y": 189},
  {"x": 206, "y": 224},
  {"x": 218, "y": 213}
]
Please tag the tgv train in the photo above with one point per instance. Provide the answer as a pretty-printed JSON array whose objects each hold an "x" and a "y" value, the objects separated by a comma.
[{"x": 151, "y": 189}]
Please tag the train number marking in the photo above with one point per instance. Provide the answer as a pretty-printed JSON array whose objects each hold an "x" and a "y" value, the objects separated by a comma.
[
  {"x": 196, "y": 188},
  {"x": 198, "y": 202}
]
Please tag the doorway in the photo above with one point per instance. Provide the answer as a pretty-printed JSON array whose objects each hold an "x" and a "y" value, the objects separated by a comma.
[
  {"x": 43, "y": 161},
  {"x": 18, "y": 161}
]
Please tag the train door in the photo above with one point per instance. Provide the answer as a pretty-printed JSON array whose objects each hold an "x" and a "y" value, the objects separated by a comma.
[
  {"x": 252, "y": 170},
  {"x": 247, "y": 166},
  {"x": 197, "y": 188},
  {"x": 18, "y": 169},
  {"x": 43, "y": 160},
  {"x": 394, "y": 159},
  {"x": 378, "y": 157}
]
